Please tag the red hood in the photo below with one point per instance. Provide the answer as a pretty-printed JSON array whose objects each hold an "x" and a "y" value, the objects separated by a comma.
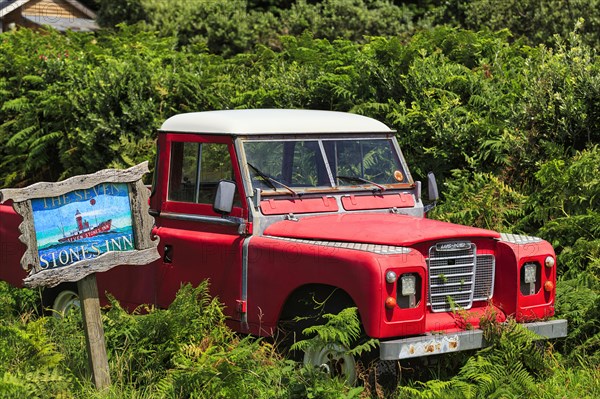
[{"x": 374, "y": 228}]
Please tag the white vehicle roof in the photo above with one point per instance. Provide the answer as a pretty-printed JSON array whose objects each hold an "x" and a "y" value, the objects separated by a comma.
[{"x": 272, "y": 121}]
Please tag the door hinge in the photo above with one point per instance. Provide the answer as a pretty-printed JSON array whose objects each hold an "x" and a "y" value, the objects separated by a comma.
[{"x": 242, "y": 306}]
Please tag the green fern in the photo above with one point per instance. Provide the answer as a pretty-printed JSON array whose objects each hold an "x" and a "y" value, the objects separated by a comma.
[
  {"x": 13, "y": 386},
  {"x": 16, "y": 105},
  {"x": 433, "y": 389},
  {"x": 481, "y": 200},
  {"x": 510, "y": 368},
  {"x": 343, "y": 328}
]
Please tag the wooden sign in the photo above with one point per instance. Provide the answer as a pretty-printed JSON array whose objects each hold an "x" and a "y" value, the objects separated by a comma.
[
  {"x": 84, "y": 225},
  {"x": 81, "y": 226}
]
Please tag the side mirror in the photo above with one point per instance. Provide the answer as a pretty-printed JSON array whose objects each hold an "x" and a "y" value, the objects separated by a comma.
[
  {"x": 432, "y": 187},
  {"x": 223, "y": 202}
]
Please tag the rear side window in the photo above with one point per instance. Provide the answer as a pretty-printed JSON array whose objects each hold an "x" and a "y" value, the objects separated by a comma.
[{"x": 196, "y": 169}]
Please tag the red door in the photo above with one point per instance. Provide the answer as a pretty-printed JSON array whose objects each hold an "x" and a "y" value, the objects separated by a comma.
[{"x": 195, "y": 242}]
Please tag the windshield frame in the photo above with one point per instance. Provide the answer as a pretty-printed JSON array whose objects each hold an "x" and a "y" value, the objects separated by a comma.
[{"x": 334, "y": 185}]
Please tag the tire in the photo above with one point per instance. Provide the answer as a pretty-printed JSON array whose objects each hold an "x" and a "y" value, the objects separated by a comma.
[
  {"x": 65, "y": 301},
  {"x": 333, "y": 359},
  {"x": 302, "y": 304}
]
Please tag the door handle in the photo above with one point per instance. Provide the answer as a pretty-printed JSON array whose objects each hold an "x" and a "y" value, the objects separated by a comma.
[{"x": 168, "y": 254}]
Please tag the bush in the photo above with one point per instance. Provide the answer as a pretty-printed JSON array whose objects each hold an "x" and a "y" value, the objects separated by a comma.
[
  {"x": 482, "y": 200},
  {"x": 458, "y": 99},
  {"x": 545, "y": 19},
  {"x": 30, "y": 364},
  {"x": 187, "y": 351},
  {"x": 565, "y": 208},
  {"x": 15, "y": 302},
  {"x": 578, "y": 300},
  {"x": 514, "y": 366},
  {"x": 347, "y": 19},
  {"x": 237, "y": 26}
]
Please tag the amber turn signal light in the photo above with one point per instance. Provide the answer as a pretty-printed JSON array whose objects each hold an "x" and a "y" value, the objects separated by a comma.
[
  {"x": 390, "y": 302},
  {"x": 548, "y": 286}
]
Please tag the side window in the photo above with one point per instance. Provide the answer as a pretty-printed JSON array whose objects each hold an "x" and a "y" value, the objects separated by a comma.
[{"x": 196, "y": 169}]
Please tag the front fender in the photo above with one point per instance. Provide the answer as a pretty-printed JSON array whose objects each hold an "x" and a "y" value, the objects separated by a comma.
[
  {"x": 511, "y": 256},
  {"x": 277, "y": 267}
]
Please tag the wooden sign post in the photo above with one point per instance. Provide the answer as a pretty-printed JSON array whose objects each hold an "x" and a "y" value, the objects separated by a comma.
[
  {"x": 81, "y": 226},
  {"x": 94, "y": 332}
]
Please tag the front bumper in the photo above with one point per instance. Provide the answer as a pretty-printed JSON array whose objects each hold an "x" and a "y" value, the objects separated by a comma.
[{"x": 436, "y": 344}]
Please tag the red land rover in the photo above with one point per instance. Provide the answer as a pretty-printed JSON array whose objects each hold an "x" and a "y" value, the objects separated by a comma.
[{"x": 279, "y": 208}]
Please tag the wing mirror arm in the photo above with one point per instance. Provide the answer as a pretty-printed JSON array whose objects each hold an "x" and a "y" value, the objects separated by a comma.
[{"x": 433, "y": 193}]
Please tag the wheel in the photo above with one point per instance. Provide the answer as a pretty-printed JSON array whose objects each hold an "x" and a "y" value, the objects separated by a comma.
[
  {"x": 333, "y": 359},
  {"x": 64, "y": 302}
]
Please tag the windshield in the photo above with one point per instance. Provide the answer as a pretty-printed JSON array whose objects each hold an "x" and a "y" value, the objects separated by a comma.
[{"x": 325, "y": 163}]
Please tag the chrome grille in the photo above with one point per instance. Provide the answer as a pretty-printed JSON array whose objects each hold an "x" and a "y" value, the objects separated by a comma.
[
  {"x": 451, "y": 276},
  {"x": 458, "y": 276}
]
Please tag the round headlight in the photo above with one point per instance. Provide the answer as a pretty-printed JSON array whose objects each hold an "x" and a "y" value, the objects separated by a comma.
[
  {"x": 549, "y": 262},
  {"x": 391, "y": 277}
]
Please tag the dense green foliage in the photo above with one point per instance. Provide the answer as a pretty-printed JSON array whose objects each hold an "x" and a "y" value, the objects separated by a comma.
[
  {"x": 538, "y": 21},
  {"x": 507, "y": 114},
  {"x": 458, "y": 99},
  {"x": 185, "y": 351},
  {"x": 239, "y": 25}
]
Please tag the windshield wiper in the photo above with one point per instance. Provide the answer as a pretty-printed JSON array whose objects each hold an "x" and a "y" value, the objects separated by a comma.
[
  {"x": 269, "y": 180},
  {"x": 360, "y": 180}
]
